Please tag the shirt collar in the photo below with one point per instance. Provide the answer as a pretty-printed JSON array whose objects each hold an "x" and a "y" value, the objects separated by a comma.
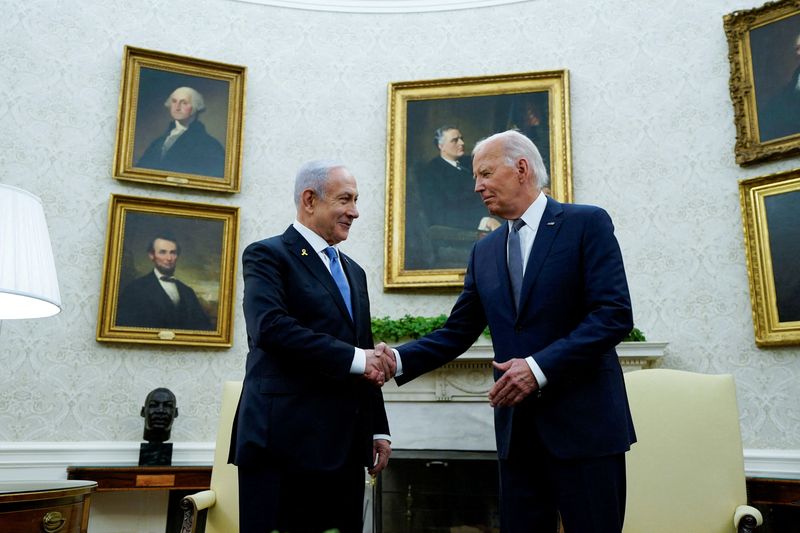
[
  {"x": 533, "y": 215},
  {"x": 316, "y": 242},
  {"x": 455, "y": 164},
  {"x": 179, "y": 128}
]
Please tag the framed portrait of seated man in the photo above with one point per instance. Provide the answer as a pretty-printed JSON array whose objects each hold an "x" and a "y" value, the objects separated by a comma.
[
  {"x": 764, "y": 54},
  {"x": 771, "y": 217},
  {"x": 434, "y": 216},
  {"x": 180, "y": 121},
  {"x": 168, "y": 273}
]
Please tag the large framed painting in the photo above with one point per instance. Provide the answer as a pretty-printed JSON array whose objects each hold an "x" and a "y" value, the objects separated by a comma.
[
  {"x": 771, "y": 216},
  {"x": 180, "y": 121},
  {"x": 433, "y": 215},
  {"x": 168, "y": 273},
  {"x": 764, "y": 54}
]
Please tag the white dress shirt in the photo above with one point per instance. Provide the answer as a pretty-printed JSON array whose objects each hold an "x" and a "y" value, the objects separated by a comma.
[{"x": 169, "y": 287}]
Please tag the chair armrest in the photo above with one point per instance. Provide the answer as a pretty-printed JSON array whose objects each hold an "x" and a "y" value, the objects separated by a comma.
[
  {"x": 746, "y": 519},
  {"x": 193, "y": 503}
]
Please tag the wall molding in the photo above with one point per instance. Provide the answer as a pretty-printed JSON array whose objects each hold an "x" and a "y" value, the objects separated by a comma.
[
  {"x": 38, "y": 461},
  {"x": 382, "y": 6}
]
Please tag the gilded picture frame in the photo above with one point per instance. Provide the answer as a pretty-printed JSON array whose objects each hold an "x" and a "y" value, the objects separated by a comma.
[
  {"x": 771, "y": 219},
  {"x": 158, "y": 141},
  {"x": 433, "y": 215},
  {"x": 764, "y": 55},
  {"x": 168, "y": 273}
]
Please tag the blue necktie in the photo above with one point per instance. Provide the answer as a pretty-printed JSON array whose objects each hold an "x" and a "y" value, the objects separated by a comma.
[
  {"x": 515, "y": 260},
  {"x": 339, "y": 278}
]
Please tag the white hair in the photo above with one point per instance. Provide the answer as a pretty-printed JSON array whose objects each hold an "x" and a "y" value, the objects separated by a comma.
[
  {"x": 198, "y": 104},
  {"x": 517, "y": 146},
  {"x": 313, "y": 175}
]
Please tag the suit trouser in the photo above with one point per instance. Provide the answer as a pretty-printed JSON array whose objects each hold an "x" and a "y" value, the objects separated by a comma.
[
  {"x": 535, "y": 487},
  {"x": 277, "y": 498}
]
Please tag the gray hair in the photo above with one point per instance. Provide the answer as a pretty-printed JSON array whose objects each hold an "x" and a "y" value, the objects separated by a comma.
[
  {"x": 313, "y": 175},
  {"x": 517, "y": 146},
  {"x": 198, "y": 104},
  {"x": 438, "y": 135}
]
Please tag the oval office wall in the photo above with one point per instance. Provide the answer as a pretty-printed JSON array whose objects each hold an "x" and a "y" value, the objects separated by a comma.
[{"x": 652, "y": 138}]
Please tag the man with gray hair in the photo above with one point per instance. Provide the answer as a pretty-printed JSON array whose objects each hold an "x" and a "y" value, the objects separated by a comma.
[
  {"x": 185, "y": 146},
  {"x": 552, "y": 288},
  {"x": 311, "y": 412}
]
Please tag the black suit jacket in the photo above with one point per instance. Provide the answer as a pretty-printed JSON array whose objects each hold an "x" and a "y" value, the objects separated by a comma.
[
  {"x": 300, "y": 405},
  {"x": 574, "y": 309},
  {"x": 144, "y": 304},
  {"x": 194, "y": 152}
]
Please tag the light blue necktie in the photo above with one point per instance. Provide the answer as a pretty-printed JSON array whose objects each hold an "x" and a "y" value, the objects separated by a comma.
[
  {"x": 339, "y": 277},
  {"x": 515, "y": 260}
]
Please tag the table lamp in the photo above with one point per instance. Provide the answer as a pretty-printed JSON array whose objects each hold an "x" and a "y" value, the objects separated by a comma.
[{"x": 28, "y": 282}]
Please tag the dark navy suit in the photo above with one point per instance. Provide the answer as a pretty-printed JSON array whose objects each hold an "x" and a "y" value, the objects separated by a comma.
[
  {"x": 144, "y": 304},
  {"x": 574, "y": 309},
  {"x": 194, "y": 152},
  {"x": 302, "y": 415}
]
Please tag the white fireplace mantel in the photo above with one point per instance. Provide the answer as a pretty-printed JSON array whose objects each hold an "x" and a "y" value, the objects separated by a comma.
[{"x": 469, "y": 378}]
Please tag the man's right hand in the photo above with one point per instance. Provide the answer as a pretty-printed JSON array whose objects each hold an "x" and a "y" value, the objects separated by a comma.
[{"x": 381, "y": 365}]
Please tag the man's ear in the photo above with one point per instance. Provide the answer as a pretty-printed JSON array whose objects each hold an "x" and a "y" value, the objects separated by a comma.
[
  {"x": 142, "y": 412},
  {"x": 522, "y": 169},
  {"x": 307, "y": 200},
  {"x": 176, "y": 412}
]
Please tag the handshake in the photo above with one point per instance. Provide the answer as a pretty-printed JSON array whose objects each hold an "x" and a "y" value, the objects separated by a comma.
[{"x": 381, "y": 364}]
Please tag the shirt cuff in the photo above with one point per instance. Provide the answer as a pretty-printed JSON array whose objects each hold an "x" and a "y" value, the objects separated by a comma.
[
  {"x": 381, "y": 436},
  {"x": 359, "y": 365},
  {"x": 399, "y": 371},
  {"x": 537, "y": 372}
]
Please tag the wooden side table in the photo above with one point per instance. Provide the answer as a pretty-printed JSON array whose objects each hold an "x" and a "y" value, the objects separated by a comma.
[
  {"x": 178, "y": 480},
  {"x": 45, "y": 506}
]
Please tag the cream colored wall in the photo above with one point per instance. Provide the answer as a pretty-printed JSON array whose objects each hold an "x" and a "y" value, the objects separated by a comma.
[{"x": 652, "y": 137}]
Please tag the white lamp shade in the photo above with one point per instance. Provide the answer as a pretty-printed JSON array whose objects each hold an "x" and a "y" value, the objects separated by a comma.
[{"x": 28, "y": 282}]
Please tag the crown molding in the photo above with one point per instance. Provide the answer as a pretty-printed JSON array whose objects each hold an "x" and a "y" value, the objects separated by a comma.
[{"x": 382, "y": 6}]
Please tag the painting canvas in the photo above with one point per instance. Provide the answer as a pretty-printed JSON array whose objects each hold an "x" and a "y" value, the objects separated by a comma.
[
  {"x": 771, "y": 216},
  {"x": 180, "y": 121},
  {"x": 169, "y": 272},
  {"x": 434, "y": 215}
]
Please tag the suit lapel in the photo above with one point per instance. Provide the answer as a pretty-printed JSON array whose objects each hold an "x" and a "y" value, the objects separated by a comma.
[
  {"x": 545, "y": 235},
  {"x": 309, "y": 258}
]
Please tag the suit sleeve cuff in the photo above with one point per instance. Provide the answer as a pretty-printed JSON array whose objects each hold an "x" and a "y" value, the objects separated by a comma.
[
  {"x": 537, "y": 372},
  {"x": 381, "y": 436}
]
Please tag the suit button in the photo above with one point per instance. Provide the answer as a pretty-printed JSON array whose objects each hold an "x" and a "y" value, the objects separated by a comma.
[{"x": 517, "y": 329}]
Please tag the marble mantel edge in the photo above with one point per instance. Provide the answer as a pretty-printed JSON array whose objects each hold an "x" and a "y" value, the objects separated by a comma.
[{"x": 469, "y": 378}]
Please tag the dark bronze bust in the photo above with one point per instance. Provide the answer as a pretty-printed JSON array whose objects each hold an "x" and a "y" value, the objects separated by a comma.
[{"x": 159, "y": 411}]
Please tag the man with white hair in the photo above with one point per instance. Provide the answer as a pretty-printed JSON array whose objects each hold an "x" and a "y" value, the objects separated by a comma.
[
  {"x": 550, "y": 284},
  {"x": 185, "y": 146}
]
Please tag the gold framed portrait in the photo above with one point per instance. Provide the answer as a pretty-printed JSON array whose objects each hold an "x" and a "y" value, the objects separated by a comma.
[
  {"x": 771, "y": 219},
  {"x": 433, "y": 215},
  {"x": 764, "y": 55},
  {"x": 168, "y": 273},
  {"x": 180, "y": 121}
]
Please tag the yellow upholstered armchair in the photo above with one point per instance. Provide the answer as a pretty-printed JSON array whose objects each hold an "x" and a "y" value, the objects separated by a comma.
[
  {"x": 222, "y": 499},
  {"x": 686, "y": 472}
]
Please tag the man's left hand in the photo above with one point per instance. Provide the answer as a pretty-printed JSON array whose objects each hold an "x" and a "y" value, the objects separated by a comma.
[
  {"x": 381, "y": 450},
  {"x": 516, "y": 383}
]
